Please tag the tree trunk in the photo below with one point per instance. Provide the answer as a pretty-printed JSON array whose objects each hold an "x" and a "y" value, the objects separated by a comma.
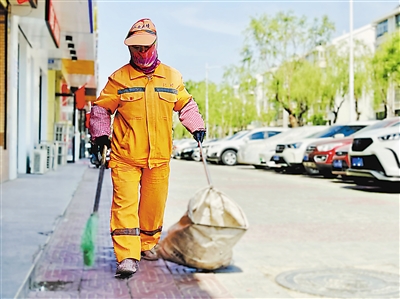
[
  {"x": 293, "y": 121},
  {"x": 358, "y": 113}
]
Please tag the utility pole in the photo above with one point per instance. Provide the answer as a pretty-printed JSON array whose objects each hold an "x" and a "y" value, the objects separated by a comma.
[
  {"x": 207, "y": 68},
  {"x": 351, "y": 66},
  {"x": 207, "y": 96}
]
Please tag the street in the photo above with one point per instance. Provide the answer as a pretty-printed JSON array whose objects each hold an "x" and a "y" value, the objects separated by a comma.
[
  {"x": 296, "y": 223},
  {"x": 308, "y": 238}
]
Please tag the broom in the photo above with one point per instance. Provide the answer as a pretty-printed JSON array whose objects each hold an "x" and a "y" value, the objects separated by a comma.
[{"x": 90, "y": 232}]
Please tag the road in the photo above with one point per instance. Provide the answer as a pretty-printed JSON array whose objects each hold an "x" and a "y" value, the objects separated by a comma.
[{"x": 299, "y": 223}]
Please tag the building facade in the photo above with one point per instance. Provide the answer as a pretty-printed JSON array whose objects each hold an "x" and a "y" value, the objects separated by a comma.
[
  {"x": 385, "y": 26},
  {"x": 48, "y": 62}
]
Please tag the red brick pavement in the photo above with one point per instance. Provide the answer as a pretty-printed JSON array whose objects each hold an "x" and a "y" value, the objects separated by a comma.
[{"x": 60, "y": 272}]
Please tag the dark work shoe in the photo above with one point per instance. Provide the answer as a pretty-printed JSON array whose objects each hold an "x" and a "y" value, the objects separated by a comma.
[
  {"x": 150, "y": 255},
  {"x": 126, "y": 268}
]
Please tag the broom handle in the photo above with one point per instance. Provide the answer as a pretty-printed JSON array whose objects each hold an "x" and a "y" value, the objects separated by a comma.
[
  {"x": 100, "y": 180},
  {"x": 203, "y": 158}
]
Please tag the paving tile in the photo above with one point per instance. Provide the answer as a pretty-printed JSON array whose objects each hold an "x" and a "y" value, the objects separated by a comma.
[{"x": 54, "y": 295}]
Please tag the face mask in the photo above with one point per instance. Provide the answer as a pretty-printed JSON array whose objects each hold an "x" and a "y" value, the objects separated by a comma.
[{"x": 145, "y": 59}]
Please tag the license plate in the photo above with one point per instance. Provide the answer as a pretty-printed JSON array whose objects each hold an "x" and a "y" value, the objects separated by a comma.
[
  {"x": 275, "y": 158},
  {"x": 305, "y": 158},
  {"x": 357, "y": 162},
  {"x": 337, "y": 163},
  {"x": 310, "y": 165}
]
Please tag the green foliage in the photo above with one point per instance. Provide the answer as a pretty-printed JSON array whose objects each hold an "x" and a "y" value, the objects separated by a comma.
[
  {"x": 180, "y": 131},
  {"x": 282, "y": 47},
  {"x": 385, "y": 69},
  {"x": 301, "y": 73},
  {"x": 317, "y": 120}
]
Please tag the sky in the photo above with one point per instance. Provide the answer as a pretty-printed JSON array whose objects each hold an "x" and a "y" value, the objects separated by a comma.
[{"x": 193, "y": 34}]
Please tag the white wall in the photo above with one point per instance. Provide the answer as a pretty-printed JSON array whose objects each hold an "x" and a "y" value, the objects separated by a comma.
[{"x": 12, "y": 92}]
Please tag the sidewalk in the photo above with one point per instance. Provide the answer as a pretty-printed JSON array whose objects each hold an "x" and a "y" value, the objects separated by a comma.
[
  {"x": 58, "y": 270},
  {"x": 31, "y": 207}
]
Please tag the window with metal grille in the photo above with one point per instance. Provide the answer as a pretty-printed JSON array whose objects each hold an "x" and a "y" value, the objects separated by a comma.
[{"x": 3, "y": 75}]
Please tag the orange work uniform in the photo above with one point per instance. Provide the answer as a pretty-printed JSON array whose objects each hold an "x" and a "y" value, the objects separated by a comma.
[{"x": 142, "y": 108}]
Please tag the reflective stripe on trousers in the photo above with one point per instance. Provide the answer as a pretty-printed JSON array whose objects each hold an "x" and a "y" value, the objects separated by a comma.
[{"x": 127, "y": 212}]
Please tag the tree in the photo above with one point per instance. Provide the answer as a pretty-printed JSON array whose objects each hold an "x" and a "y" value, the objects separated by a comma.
[
  {"x": 296, "y": 85},
  {"x": 278, "y": 47},
  {"x": 386, "y": 71},
  {"x": 335, "y": 80}
]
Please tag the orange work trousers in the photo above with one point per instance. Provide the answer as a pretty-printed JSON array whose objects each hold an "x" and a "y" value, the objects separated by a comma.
[{"x": 136, "y": 222}]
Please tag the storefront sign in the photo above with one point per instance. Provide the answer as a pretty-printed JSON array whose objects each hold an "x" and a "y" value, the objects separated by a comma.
[
  {"x": 52, "y": 22},
  {"x": 54, "y": 64},
  {"x": 32, "y": 3}
]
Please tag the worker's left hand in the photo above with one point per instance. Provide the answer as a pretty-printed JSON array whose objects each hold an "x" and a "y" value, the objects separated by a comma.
[{"x": 199, "y": 135}]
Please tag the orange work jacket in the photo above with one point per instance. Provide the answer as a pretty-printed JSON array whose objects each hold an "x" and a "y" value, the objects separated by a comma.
[{"x": 143, "y": 107}]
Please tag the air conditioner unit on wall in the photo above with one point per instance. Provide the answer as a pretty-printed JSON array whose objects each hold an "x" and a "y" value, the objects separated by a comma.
[
  {"x": 50, "y": 150},
  {"x": 39, "y": 161},
  {"x": 61, "y": 153}
]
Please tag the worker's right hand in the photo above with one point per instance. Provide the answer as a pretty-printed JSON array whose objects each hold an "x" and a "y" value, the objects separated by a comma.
[{"x": 99, "y": 144}]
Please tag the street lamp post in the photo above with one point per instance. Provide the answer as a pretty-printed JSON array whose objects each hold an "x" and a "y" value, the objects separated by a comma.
[
  {"x": 207, "y": 68},
  {"x": 351, "y": 66}
]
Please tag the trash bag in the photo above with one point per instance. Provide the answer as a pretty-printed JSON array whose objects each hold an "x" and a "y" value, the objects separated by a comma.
[{"x": 203, "y": 238}]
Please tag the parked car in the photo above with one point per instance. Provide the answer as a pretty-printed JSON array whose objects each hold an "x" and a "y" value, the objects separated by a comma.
[
  {"x": 225, "y": 150},
  {"x": 183, "y": 148},
  {"x": 375, "y": 155},
  {"x": 248, "y": 153},
  {"x": 340, "y": 161},
  {"x": 319, "y": 155},
  {"x": 206, "y": 143},
  {"x": 290, "y": 156}
]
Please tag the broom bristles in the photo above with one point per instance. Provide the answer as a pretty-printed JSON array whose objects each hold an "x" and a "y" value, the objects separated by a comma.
[{"x": 88, "y": 240}]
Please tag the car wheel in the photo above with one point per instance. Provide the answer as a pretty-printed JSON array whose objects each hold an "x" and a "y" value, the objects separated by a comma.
[
  {"x": 229, "y": 158},
  {"x": 196, "y": 157}
]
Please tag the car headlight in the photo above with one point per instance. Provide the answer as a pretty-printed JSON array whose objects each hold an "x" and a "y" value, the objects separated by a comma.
[
  {"x": 395, "y": 136},
  {"x": 328, "y": 147},
  {"x": 295, "y": 145}
]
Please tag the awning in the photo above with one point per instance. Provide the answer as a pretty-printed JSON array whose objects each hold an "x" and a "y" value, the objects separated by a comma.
[{"x": 77, "y": 72}]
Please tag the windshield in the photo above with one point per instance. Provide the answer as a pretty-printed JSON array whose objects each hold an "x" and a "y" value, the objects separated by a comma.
[
  {"x": 236, "y": 135},
  {"x": 346, "y": 130}
]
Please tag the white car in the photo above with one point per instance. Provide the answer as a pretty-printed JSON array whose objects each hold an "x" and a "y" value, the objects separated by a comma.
[
  {"x": 225, "y": 150},
  {"x": 264, "y": 154},
  {"x": 375, "y": 155},
  {"x": 289, "y": 156},
  {"x": 206, "y": 143},
  {"x": 183, "y": 147},
  {"x": 248, "y": 153}
]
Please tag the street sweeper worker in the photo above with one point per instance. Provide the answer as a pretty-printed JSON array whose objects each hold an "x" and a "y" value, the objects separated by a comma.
[{"x": 142, "y": 96}]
